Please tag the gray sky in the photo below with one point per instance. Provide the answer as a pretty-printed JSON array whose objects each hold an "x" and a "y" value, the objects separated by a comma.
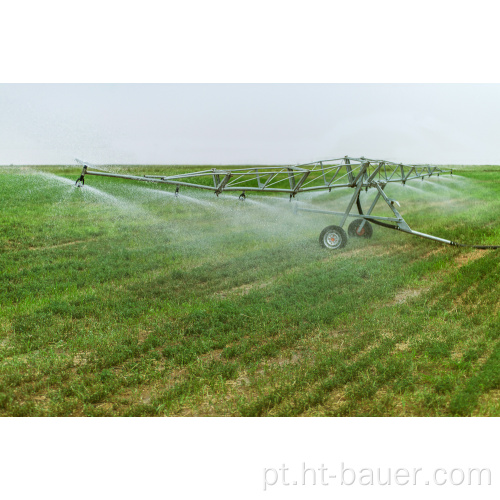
[{"x": 248, "y": 123}]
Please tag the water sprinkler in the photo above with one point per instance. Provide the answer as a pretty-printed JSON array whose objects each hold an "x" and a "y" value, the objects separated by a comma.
[
  {"x": 81, "y": 180},
  {"x": 355, "y": 173}
]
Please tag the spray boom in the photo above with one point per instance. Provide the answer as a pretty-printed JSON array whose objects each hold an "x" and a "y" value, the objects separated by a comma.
[{"x": 347, "y": 172}]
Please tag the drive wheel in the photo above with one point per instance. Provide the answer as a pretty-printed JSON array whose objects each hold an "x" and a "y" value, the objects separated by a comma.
[
  {"x": 333, "y": 238},
  {"x": 365, "y": 232}
]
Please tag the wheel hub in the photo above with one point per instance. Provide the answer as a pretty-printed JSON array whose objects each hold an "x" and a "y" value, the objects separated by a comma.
[{"x": 333, "y": 240}]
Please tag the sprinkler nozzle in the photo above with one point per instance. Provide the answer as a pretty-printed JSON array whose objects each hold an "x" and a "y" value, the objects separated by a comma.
[{"x": 81, "y": 179}]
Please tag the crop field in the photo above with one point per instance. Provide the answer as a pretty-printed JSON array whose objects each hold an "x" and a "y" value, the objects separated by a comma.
[{"x": 119, "y": 299}]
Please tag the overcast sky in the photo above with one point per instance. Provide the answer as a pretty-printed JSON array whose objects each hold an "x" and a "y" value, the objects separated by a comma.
[{"x": 254, "y": 123}]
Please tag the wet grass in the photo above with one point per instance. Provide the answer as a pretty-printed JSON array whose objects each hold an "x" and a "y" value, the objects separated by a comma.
[{"x": 118, "y": 299}]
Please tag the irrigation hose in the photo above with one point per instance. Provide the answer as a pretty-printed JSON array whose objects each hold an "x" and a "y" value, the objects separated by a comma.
[
  {"x": 453, "y": 243},
  {"x": 481, "y": 247}
]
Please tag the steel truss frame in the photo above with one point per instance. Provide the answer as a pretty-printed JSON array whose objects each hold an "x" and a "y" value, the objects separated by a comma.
[
  {"x": 321, "y": 175},
  {"x": 347, "y": 172}
]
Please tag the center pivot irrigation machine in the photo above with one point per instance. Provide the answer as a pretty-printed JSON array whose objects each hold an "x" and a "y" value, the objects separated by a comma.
[{"x": 347, "y": 172}]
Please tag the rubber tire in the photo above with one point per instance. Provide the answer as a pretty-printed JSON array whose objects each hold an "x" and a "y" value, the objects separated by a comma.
[
  {"x": 353, "y": 226},
  {"x": 338, "y": 233}
]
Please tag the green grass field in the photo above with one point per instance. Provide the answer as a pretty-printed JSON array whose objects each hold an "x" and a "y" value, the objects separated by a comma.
[{"x": 118, "y": 299}]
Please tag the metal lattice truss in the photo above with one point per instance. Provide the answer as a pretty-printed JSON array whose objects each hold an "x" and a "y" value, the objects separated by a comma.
[
  {"x": 321, "y": 175},
  {"x": 347, "y": 172}
]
